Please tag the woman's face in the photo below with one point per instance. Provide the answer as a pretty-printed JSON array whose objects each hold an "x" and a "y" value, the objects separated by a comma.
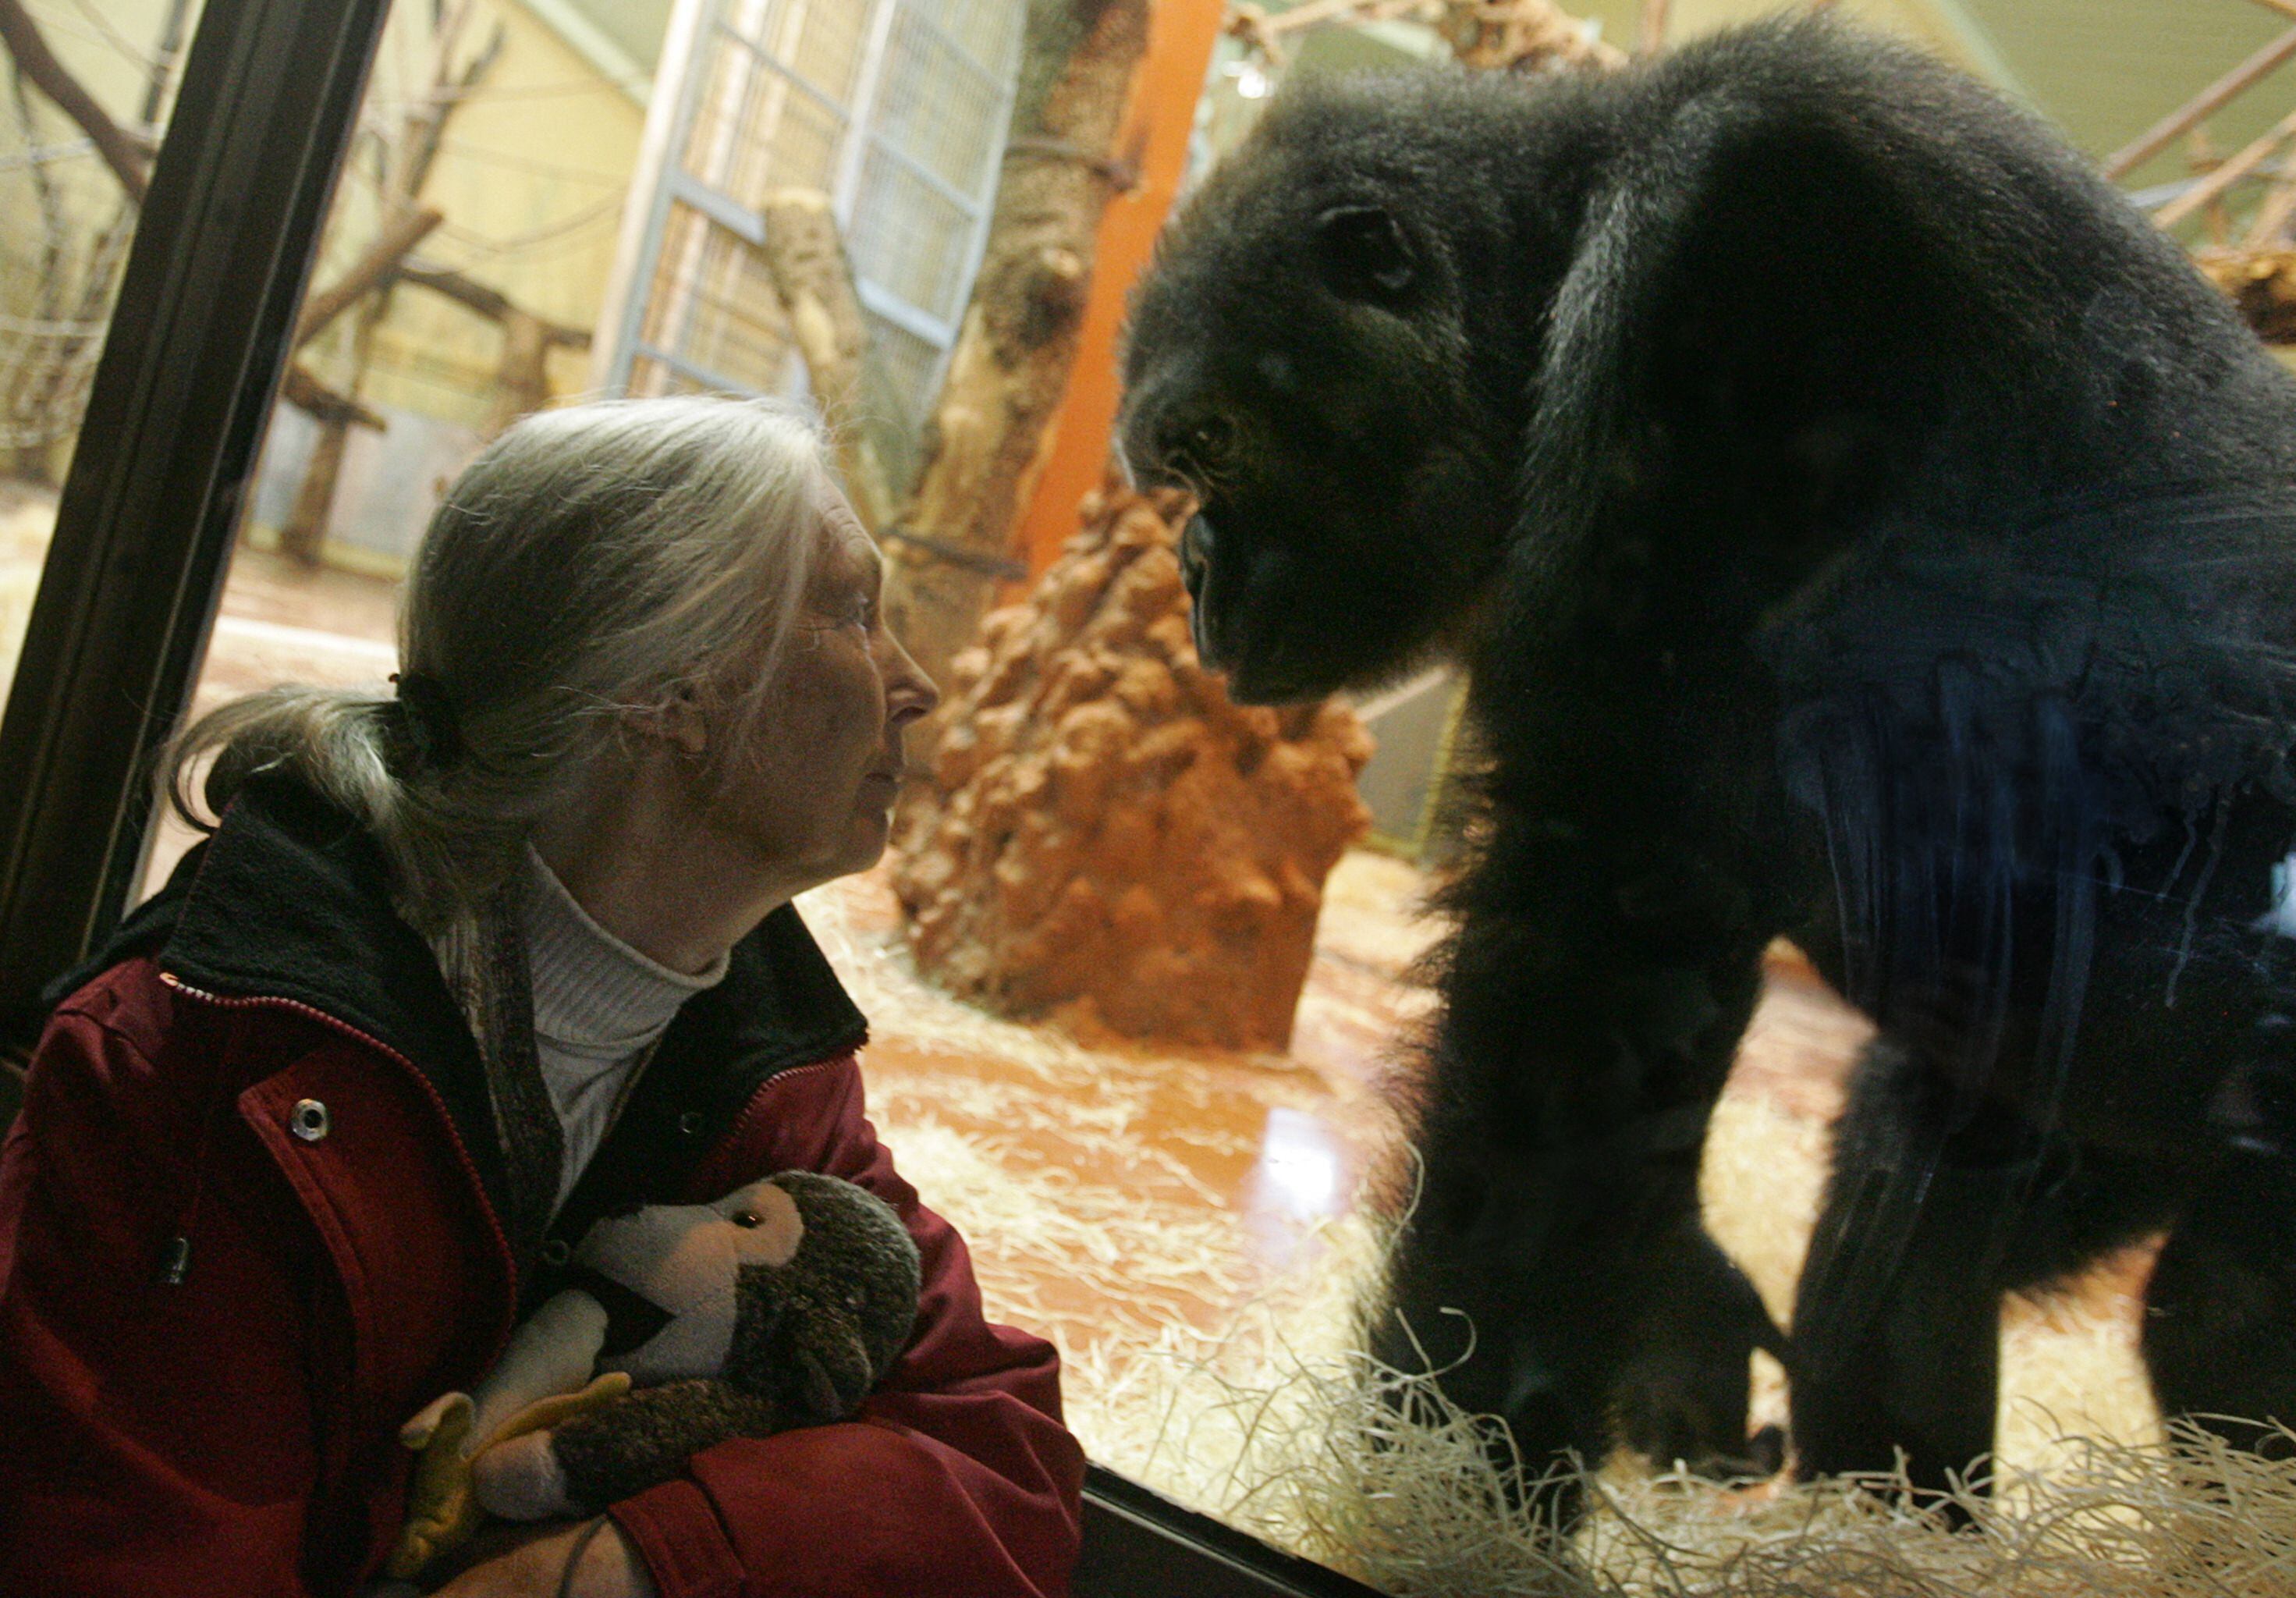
[{"x": 813, "y": 789}]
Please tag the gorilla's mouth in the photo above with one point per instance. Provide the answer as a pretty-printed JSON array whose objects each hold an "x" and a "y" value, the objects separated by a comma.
[
  {"x": 1195, "y": 574},
  {"x": 1254, "y": 665}
]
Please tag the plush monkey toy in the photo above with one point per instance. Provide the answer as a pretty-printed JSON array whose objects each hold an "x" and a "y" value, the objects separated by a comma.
[{"x": 780, "y": 1305}]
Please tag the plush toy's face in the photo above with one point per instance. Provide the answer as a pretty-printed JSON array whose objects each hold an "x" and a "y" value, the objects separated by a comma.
[
  {"x": 688, "y": 1258},
  {"x": 815, "y": 1335}
]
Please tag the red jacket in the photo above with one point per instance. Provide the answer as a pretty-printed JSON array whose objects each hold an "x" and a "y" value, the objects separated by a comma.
[{"x": 233, "y": 1433}]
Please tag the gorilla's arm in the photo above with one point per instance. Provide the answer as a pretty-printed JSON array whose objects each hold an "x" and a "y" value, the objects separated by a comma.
[{"x": 1606, "y": 963}]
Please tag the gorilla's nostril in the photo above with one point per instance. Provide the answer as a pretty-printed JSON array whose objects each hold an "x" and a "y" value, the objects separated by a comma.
[
  {"x": 1193, "y": 447},
  {"x": 1212, "y": 438}
]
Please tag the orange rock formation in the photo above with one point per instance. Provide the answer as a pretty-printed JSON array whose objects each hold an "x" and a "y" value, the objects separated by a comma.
[{"x": 1104, "y": 833}]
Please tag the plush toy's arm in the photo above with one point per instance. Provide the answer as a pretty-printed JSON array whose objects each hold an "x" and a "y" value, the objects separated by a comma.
[
  {"x": 644, "y": 1439},
  {"x": 548, "y": 1357},
  {"x": 552, "y": 1353}
]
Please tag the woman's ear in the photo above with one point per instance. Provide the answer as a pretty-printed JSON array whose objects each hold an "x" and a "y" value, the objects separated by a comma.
[{"x": 679, "y": 721}]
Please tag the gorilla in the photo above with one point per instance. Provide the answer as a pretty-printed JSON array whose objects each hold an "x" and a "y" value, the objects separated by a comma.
[{"x": 1859, "y": 526}]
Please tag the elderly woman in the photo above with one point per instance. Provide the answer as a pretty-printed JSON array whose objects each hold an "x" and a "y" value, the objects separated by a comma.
[{"x": 459, "y": 970}]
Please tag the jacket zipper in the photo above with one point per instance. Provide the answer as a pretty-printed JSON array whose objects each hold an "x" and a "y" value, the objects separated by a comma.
[
  {"x": 453, "y": 1136},
  {"x": 757, "y": 1104}
]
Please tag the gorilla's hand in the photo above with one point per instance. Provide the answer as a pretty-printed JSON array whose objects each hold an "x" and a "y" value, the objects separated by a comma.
[{"x": 1682, "y": 1398}]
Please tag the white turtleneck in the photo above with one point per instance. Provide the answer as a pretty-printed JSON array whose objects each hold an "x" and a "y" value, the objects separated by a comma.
[{"x": 599, "y": 1007}]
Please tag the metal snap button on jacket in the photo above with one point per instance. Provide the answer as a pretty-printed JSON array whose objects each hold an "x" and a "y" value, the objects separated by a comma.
[
  {"x": 689, "y": 1122},
  {"x": 308, "y": 1120},
  {"x": 556, "y": 1252}
]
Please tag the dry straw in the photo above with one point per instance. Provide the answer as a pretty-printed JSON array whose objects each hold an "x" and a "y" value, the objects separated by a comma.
[
  {"x": 1277, "y": 1424},
  {"x": 1372, "y": 1473}
]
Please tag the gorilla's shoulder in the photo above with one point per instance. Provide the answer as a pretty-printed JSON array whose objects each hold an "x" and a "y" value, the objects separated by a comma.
[
  {"x": 1813, "y": 68},
  {"x": 1795, "y": 53},
  {"x": 1804, "y": 66}
]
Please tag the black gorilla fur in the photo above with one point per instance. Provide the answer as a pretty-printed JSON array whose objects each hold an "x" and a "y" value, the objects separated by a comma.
[{"x": 1861, "y": 526}]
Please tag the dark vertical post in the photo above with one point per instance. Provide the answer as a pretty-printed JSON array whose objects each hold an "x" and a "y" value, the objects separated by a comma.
[{"x": 269, "y": 97}]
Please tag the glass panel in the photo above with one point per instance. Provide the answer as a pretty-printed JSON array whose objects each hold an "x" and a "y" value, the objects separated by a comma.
[
  {"x": 755, "y": 130},
  {"x": 66, "y": 221},
  {"x": 649, "y": 376},
  {"x": 901, "y": 372},
  {"x": 987, "y": 30},
  {"x": 1135, "y": 1203},
  {"x": 714, "y": 306},
  {"x": 908, "y": 239},
  {"x": 938, "y": 108}
]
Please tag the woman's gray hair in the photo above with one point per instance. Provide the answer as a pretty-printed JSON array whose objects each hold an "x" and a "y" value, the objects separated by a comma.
[{"x": 594, "y": 560}]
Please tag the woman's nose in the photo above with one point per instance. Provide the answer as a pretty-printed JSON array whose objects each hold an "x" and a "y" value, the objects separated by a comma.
[{"x": 910, "y": 695}]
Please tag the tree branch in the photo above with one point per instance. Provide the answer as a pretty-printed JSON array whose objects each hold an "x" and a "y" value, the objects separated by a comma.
[
  {"x": 2261, "y": 285},
  {"x": 50, "y": 75},
  {"x": 814, "y": 279},
  {"x": 2169, "y": 128},
  {"x": 307, "y": 393},
  {"x": 490, "y": 303},
  {"x": 1009, "y": 368},
  {"x": 374, "y": 267},
  {"x": 1651, "y": 37},
  {"x": 2217, "y": 182}
]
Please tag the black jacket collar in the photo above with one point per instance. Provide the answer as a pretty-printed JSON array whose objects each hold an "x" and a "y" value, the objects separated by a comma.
[{"x": 289, "y": 900}]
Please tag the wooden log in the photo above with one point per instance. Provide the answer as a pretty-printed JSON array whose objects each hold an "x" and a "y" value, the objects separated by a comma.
[
  {"x": 307, "y": 394},
  {"x": 305, "y": 529},
  {"x": 522, "y": 383},
  {"x": 2270, "y": 223},
  {"x": 1009, "y": 369},
  {"x": 814, "y": 279},
  {"x": 51, "y": 77},
  {"x": 2158, "y": 137},
  {"x": 1650, "y": 38},
  {"x": 2233, "y": 170},
  {"x": 370, "y": 271},
  {"x": 490, "y": 303}
]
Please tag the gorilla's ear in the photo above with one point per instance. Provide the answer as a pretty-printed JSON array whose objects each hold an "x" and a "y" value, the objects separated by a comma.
[{"x": 1363, "y": 253}]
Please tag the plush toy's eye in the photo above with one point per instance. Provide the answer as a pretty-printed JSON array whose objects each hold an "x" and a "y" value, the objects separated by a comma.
[{"x": 749, "y": 1218}]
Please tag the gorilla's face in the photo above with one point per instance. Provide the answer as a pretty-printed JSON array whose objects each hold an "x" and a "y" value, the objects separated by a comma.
[{"x": 1301, "y": 358}]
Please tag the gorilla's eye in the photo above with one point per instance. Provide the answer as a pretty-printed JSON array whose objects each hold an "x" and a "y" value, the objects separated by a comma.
[
  {"x": 1365, "y": 253},
  {"x": 749, "y": 1218},
  {"x": 1212, "y": 440}
]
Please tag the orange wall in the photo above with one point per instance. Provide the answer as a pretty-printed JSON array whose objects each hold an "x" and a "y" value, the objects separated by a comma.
[{"x": 1181, "y": 34}]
